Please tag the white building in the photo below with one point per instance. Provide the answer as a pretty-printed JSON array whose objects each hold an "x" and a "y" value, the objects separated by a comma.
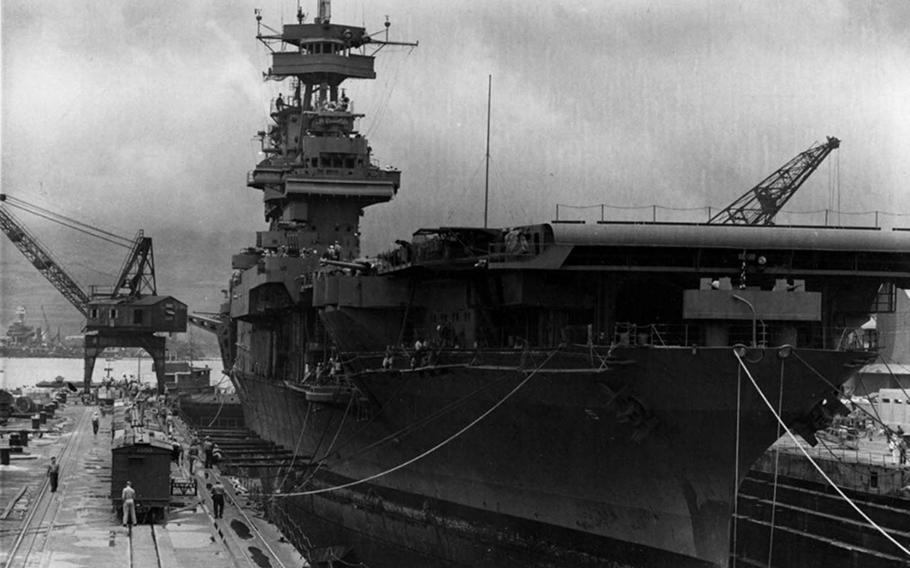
[{"x": 893, "y": 406}]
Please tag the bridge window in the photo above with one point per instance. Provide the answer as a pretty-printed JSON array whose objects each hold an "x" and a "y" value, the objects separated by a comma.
[
  {"x": 335, "y": 160},
  {"x": 113, "y": 314},
  {"x": 93, "y": 313}
]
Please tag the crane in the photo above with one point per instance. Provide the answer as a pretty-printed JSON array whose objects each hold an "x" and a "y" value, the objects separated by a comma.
[
  {"x": 38, "y": 255},
  {"x": 225, "y": 331},
  {"x": 127, "y": 314},
  {"x": 759, "y": 205}
]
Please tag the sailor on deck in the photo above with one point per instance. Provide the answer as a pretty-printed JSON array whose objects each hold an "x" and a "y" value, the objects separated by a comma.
[
  {"x": 388, "y": 361},
  {"x": 417, "y": 359}
]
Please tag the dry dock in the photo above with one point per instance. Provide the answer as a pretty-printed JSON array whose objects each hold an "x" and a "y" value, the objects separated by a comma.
[
  {"x": 77, "y": 526},
  {"x": 794, "y": 517}
]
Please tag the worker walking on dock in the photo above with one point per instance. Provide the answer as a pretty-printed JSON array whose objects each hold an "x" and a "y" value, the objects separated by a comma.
[
  {"x": 96, "y": 418},
  {"x": 176, "y": 451},
  {"x": 129, "y": 504},
  {"x": 53, "y": 472},
  {"x": 193, "y": 453},
  {"x": 218, "y": 499}
]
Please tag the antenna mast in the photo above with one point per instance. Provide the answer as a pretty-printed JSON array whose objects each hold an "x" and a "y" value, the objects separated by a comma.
[{"x": 486, "y": 183}]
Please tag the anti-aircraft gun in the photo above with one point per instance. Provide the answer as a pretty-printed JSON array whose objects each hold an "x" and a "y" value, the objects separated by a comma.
[{"x": 128, "y": 314}]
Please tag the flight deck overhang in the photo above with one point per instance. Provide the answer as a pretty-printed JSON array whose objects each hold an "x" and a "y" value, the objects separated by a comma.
[
  {"x": 731, "y": 236},
  {"x": 717, "y": 250}
]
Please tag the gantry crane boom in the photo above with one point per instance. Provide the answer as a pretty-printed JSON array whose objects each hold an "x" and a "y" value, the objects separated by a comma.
[
  {"x": 39, "y": 256},
  {"x": 137, "y": 276},
  {"x": 759, "y": 205}
]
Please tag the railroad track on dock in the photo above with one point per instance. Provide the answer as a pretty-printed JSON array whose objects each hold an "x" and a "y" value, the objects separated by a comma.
[
  {"x": 250, "y": 550},
  {"x": 144, "y": 551},
  {"x": 253, "y": 551},
  {"x": 28, "y": 547}
]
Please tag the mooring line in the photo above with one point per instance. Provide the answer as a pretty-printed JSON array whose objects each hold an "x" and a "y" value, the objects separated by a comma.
[
  {"x": 814, "y": 464},
  {"x": 429, "y": 451}
]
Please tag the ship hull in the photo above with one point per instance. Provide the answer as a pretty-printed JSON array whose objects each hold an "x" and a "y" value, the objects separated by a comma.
[
  {"x": 211, "y": 410},
  {"x": 630, "y": 460}
]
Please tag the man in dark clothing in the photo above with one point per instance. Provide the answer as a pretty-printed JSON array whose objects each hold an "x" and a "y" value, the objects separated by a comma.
[
  {"x": 176, "y": 450},
  {"x": 96, "y": 418},
  {"x": 53, "y": 471},
  {"x": 207, "y": 448},
  {"x": 218, "y": 499}
]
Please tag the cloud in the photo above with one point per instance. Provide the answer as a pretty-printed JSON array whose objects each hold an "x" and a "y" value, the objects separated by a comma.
[{"x": 137, "y": 114}]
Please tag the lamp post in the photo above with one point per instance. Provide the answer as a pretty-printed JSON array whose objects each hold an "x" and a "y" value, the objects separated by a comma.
[{"x": 754, "y": 317}]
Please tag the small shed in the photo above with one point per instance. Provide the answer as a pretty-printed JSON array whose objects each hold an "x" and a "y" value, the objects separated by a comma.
[
  {"x": 894, "y": 408},
  {"x": 143, "y": 458}
]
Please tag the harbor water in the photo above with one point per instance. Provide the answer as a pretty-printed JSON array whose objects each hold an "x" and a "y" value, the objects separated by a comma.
[{"x": 26, "y": 372}]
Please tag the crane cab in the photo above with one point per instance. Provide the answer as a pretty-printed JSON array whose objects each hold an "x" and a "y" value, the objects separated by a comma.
[{"x": 148, "y": 314}]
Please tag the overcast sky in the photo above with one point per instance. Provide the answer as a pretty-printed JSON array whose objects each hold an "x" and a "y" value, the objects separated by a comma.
[{"x": 135, "y": 114}]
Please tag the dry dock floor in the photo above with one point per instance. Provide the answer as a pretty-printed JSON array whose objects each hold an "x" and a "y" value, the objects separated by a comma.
[{"x": 77, "y": 527}]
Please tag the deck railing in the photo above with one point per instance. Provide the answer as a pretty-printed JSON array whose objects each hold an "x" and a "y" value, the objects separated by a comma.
[{"x": 692, "y": 334}]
